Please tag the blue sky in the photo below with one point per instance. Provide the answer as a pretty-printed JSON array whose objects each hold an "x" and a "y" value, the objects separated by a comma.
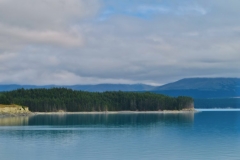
[
  {"x": 109, "y": 41},
  {"x": 150, "y": 9}
]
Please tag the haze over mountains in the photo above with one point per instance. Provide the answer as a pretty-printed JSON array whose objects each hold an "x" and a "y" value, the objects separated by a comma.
[
  {"x": 194, "y": 87},
  {"x": 203, "y": 84},
  {"x": 90, "y": 88},
  {"x": 202, "y": 88}
]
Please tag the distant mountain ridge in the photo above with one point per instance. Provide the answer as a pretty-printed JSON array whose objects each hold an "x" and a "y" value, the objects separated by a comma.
[
  {"x": 90, "y": 88},
  {"x": 202, "y": 88},
  {"x": 193, "y": 87},
  {"x": 203, "y": 84}
]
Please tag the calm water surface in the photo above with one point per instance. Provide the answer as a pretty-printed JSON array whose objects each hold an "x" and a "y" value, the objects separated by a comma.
[{"x": 202, "y": 135}]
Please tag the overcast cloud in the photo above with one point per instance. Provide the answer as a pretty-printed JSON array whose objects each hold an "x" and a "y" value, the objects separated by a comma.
[{"x": 110, "y": 41}]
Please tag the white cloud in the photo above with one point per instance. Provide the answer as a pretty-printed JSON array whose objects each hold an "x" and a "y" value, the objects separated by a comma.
[
  {"x": 12, "y": 37},
  {"x": 45, "y": 14},
  {"x": 61, "y": 42},
  {"x": 26, "y": 22}
]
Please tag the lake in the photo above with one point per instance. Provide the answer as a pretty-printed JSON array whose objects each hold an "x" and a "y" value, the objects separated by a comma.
[{"x": 202, "y": 135}]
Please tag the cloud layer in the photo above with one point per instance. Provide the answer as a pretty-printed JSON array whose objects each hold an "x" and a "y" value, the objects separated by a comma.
[{"x": 104, "y": 41}]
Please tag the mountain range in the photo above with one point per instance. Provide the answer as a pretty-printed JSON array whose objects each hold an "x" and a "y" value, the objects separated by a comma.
[
  {"x": 202, "y": 88},
  {"x": 89, "y": 88},
  {"x": 194, "y": 87}
]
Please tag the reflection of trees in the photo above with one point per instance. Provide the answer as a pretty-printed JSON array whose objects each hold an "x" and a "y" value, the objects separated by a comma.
[
  {"x": 14, "y": 121},
  {"x": 65, "y": 126},
  {"x": 112, "y": 119},
  {"x": 99, "y": 119}
]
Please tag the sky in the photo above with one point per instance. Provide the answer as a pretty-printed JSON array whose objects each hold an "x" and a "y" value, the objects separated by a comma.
[{"x": 67, "y": 42}]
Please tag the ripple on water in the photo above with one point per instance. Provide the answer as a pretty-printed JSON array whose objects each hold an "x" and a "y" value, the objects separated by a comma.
[{"x": 203, "y": 135}]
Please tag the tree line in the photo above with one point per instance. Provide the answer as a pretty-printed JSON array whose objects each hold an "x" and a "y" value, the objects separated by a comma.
[{"x": 55, "y": 99}]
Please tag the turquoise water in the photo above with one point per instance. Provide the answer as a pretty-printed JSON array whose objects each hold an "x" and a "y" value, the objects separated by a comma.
[{"x": 201, "y": 135}]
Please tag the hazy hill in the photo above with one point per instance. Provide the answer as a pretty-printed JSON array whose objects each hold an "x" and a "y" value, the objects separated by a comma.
[
  {"x": 90, "y": 88},
  {"x": 203, "y": 84},
  {"x": 193, "y": 87},
  {"x": 202, "y": 87}
]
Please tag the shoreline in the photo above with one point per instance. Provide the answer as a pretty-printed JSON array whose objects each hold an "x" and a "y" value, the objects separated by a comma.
[
  {"x": 117, "y": 112},
  {"x": 94, "y": 112},
  {"x": 3, "y": 115}
]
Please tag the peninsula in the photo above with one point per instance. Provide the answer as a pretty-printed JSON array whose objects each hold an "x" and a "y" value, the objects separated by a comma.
[{"x": 67, "y": 100}]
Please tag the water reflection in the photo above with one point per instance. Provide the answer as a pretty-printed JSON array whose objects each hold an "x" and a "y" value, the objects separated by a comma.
[
  {"x": 14, "y": 121},
  {"x": 99, "y": 119},
  {"x": 214, "y": 135}
]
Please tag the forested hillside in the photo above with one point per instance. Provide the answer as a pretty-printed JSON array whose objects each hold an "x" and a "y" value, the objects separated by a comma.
[{"x": 55, "y": 99}]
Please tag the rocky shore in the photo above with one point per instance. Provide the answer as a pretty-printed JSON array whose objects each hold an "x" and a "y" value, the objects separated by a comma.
[{"x": 13, "y": 110}]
